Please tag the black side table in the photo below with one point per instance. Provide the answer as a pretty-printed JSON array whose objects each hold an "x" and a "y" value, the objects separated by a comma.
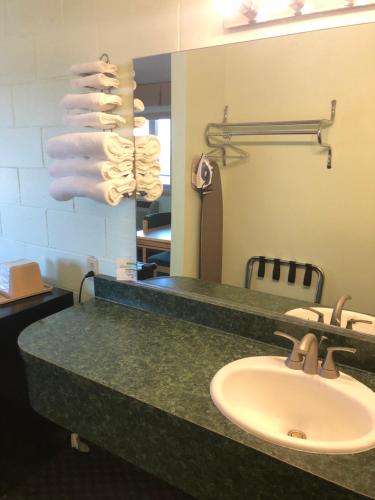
[
  {"x": 21, "y": 428},
  {"x": 15, "y": 317}
]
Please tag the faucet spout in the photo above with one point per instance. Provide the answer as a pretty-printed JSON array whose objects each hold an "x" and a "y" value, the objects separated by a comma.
[
  {"x": 337, "y": 310},
  {"x": 308, "y": 347}
]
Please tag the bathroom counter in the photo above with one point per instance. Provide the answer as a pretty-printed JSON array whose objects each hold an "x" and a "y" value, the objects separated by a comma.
[{"x": 137, "y": 384}]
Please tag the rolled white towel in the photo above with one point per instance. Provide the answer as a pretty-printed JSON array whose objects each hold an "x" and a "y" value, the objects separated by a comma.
[
  {"x": 144, "y": 168},
  {"x": 140, "y": 121},
  {"x": 98, "y": 145},
  {"x": 97, "y": 81},
  {"x": 111, "y": 192},
  {"x": 150, "y": 192},
  {"x": 95, "y": 119},
  {"x": 138, "y": 105},
  {"x": 145, "y": 180},
  {"x": 89, "y": 68},
  {"x": 147, "y": 147},
  {"x": 105, "y": 170},
  {"x": 154, "y": 192},
  {"x": 95, "y": 101}
]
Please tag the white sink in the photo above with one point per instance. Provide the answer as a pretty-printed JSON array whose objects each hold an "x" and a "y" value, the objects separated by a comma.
[
  {"x": 345, "y": 317},
  {"x": 266, "y": 398}
]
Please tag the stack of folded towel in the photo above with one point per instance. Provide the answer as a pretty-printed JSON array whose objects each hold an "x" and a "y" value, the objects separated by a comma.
[
  {"x": 97, "y": 165},
  {"x": 147, "y": 167},
  {"x": 97, "y": 75}
]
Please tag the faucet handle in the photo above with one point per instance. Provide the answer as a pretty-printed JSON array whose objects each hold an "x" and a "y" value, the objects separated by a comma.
[
  {"x": 318, "y": 313},
  {"x": 295, "y": 359},
  {"x": 329, "y": 369},
  {"x": 352, "y": 321}
]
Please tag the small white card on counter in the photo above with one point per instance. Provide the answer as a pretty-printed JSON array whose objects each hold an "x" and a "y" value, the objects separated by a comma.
[{"x": 126, "y": 269}]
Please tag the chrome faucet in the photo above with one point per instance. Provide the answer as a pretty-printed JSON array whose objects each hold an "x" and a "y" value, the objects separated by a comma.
[
  {"x": 304, "y": 355},
  {"x": 337, "y": 310},
  {"x": 308, "y": 347}
]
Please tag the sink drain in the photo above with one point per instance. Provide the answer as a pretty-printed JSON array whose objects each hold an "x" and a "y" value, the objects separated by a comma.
[{"x": 295, "y": 433}]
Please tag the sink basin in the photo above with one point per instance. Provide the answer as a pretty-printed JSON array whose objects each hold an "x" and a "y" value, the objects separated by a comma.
[
  {"x": 345, "y": 317},
  {"x": 293, "y": 409}
]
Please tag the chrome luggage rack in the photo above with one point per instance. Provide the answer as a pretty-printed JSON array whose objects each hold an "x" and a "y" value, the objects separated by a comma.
[
  {"x": 293, "y": 265},
  {"x": 219, "y": 136}
]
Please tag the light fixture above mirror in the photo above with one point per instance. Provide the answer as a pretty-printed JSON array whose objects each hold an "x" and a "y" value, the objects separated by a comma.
[{"x": 241, "y": 13}]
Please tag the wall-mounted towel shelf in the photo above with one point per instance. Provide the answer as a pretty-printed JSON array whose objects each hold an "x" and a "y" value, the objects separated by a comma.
[{"x": 222, "y": 137}]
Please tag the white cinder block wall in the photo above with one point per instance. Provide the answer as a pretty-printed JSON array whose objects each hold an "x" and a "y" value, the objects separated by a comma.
[{"x": 39, "y": 40}]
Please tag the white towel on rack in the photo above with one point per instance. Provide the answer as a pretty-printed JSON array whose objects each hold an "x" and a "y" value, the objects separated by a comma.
[
  {"x": 95, "y": 101},
  {"x": 143, "y": 168},
  {"x": 145, "y": 180},
  {"x": 140, "y": 121},
  {"x": 89, "y": 68},
  {"x": 138, "y": 105},
  {"x": 147, "y": 147},
  {"x": 95, "y": 119},
  {"x": 97, "y": 81},
  {"x": 105, "y": 170},
  {"x": 111, "y": 192},
  {"x": 150, "y": 189},
  {"x": 98, "y": 145}
]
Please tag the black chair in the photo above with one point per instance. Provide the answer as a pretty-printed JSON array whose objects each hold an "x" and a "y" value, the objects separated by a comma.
[
  {"x": 145, "y": 270},
  {"x": 151, "y": 221},
  {"x": 162, "y": 259}
]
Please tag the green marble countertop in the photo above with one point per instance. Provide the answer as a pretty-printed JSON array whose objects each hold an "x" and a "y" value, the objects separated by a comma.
[
  {"x": 246, "y": 300},
  {"x": 228, "y": 293},
  {"x": 168, "y": 364}
]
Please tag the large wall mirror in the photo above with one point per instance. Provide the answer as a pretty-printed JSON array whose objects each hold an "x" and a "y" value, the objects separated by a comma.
[{"x": 280, "y": 201}]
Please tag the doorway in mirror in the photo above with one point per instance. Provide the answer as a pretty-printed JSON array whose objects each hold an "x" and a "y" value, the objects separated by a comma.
[{"x": 153, "y": 77}]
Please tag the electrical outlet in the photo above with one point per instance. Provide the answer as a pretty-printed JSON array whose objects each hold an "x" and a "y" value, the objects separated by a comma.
[{"x": 93, "y": 264}]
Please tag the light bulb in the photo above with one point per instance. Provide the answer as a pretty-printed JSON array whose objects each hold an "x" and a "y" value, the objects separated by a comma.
[
  {"x": 297, "y": 6},
  {"x": 249, "y": 10}
]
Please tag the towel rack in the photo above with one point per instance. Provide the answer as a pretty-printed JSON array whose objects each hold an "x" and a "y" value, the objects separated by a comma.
[
  {"x": 105, "y": 57},
  {"x": 221, "y": 136}
]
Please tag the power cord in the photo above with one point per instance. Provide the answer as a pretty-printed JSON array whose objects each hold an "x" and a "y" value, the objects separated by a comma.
[{"x": 90, "y": 274}]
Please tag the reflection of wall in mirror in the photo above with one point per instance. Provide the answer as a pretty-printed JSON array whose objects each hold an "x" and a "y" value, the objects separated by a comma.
[
  {"x": 197, "y": 93},
  {"x": 283, "y": 202}
]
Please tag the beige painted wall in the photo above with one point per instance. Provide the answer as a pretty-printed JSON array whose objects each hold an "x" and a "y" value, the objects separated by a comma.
[
  {"x": 197, "y": 93},
  {"x": 283, "y": 201}
]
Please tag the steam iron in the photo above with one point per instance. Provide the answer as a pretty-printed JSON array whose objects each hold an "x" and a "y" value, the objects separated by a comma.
[{"x": 201, "y": 175}]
